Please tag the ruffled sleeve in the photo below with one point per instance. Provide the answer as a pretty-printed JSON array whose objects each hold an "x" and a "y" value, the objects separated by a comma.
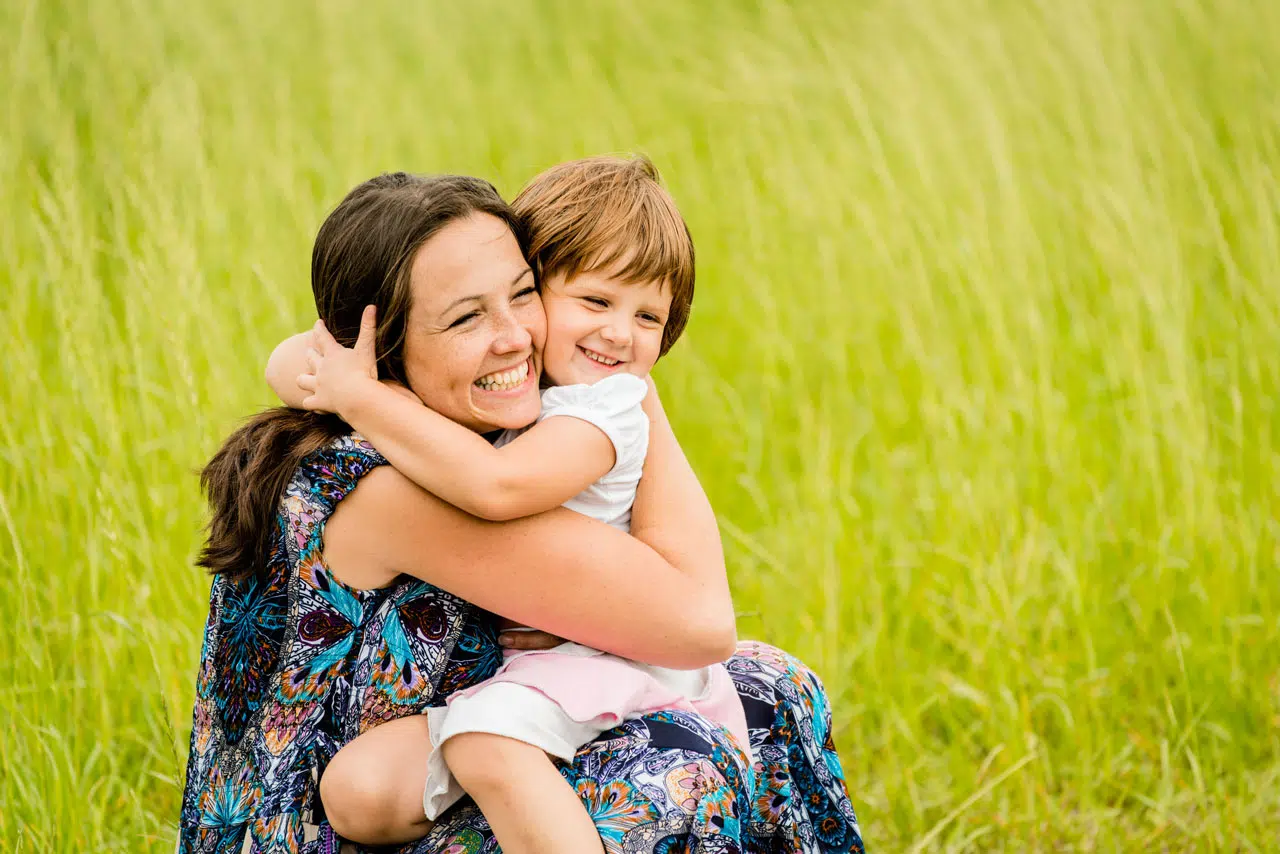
[{"x": 613, "y": 405}]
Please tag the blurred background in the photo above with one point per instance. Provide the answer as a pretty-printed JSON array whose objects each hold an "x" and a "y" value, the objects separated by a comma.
[{"x": 981, "y": 376}]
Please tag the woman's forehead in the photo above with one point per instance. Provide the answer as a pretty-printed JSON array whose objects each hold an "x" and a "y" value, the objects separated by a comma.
[{"x": 469, "y": 257}]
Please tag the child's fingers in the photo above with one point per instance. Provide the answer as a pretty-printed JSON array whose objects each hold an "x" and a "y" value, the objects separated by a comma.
[
  {"x": 306, "y": 382},
  {"x": 321, "y": 340},
  {"x": 368, "y": 331},
  {"x": 314, "y": 403}
]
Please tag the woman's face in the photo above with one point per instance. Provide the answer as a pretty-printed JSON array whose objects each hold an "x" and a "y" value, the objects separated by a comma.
[{"x": 473, "y": 346}]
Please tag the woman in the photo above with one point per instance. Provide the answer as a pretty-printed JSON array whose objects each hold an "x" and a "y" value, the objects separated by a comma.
[{"x": 330, "y": 615}]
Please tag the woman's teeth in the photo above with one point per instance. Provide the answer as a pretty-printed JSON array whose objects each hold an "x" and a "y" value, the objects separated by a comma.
[
  {"x": 604, "y": 360},
  {"x": 503, "y": 380}
]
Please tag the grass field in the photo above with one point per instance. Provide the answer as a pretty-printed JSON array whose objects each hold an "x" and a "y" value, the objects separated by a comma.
[{"x": 982, "y": 376}]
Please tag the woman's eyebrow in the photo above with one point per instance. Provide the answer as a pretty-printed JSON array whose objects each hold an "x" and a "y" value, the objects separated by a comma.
[
  {"x": 479, "y": 297},
  {"x": 459, "y": 301}
]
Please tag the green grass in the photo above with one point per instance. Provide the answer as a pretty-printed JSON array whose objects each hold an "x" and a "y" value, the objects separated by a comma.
[{"x": 981, "y": 379}]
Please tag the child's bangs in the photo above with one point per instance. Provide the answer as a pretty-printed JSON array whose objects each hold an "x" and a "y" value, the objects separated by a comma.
[
  {"x": 610, "y": 215},
  {"x": 644, "y": 244}
]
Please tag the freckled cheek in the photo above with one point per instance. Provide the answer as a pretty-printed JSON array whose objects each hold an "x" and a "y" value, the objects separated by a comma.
[
  {"x": 534, "y": 318},
  {"x": 449, "y": 369}
]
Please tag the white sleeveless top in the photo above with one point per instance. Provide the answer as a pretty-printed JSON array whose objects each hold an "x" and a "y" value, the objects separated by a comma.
[{"x": 613, "y": 405}]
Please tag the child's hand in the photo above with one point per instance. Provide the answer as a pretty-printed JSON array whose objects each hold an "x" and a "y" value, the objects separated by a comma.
[{"x": 337, "y": 374}]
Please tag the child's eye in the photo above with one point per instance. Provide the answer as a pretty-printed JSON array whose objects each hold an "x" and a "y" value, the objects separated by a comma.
[
  {"x": 597, "y": 301},
  {"x": 650, "y": 318}
]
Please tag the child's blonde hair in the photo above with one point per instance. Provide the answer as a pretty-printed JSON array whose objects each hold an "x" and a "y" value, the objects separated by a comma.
[{"x": 610, "y": 213}]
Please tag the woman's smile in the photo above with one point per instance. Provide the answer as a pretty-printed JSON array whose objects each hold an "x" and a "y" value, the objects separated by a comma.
[{"x": 509, "y": 382}]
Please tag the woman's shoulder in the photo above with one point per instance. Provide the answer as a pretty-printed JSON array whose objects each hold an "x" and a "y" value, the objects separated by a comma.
[
  {"x": 356, "y": 446},
  {"x": 323, "y": 478},
  {"x": 340, "y": 462}
]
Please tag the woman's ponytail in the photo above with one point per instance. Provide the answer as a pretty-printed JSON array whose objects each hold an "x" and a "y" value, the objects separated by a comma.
[{"x": 246, "y": 479}]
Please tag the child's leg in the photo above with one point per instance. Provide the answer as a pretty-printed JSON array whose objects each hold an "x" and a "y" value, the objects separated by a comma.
[
  {"x": 531, "y": 808},
  {"x": 372, "y": 789}
]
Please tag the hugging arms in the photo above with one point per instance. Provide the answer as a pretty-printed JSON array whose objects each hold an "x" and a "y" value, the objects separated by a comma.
[{"x": 347, "y": 600}]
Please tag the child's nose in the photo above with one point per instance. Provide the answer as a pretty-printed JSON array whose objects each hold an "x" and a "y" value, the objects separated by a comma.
[{"x": 617, "y": 333}]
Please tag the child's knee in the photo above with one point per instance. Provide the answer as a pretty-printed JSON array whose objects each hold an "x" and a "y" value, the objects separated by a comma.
[
  {"x": 482, "y": 762},
  {"x": 358, "y": 798}
]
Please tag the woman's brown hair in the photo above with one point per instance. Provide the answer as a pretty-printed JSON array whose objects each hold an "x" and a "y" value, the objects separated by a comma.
[{"x": 362, "y": 256}]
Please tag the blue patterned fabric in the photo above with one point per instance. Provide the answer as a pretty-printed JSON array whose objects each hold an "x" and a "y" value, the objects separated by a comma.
[{"x": 295, "y": 664}]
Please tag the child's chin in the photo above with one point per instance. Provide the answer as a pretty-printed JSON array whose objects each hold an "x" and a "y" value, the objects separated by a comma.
[{"x": 567, "y": 376}]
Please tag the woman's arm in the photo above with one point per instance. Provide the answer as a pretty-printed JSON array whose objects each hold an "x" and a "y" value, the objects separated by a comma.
[
  {"x": 541, "y": 469},
  {"x": 672, "y": 515},
  {"x": 560, "y": 571},
  {"x": 287, "y": 361}
]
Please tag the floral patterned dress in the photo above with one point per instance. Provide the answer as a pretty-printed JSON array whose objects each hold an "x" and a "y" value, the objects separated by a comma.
[{"x": 295, "y": 664}]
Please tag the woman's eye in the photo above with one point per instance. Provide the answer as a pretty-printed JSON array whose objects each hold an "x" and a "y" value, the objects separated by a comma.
[
  {"x": 525, "y": 292},
  {"x": 464, "y": 319}
]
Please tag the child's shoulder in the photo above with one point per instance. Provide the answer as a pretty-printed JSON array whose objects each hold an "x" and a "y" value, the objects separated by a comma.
[
  {"x": 618, "y": 393},
  {"x": 613, "y": 405}
]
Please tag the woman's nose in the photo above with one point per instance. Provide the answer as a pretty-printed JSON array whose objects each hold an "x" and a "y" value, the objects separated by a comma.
[{"x": 512, "y": 336}]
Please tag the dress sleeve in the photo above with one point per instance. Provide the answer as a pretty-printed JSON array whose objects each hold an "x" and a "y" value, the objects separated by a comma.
[{"x": 613, "y": 405}]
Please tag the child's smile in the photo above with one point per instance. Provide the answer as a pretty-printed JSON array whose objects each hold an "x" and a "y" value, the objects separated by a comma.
[{"x": 598, "y": 326}]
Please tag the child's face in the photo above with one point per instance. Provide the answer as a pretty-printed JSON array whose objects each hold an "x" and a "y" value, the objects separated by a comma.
[{"x": 599, "y": 325}]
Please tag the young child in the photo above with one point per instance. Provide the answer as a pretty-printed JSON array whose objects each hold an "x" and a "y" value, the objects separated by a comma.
[{"x": 616, "y": 265}]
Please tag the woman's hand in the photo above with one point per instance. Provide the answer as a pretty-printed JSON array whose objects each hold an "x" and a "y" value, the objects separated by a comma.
[
  {"x": 336, "y": 374},
  {"x": 528, "y": 639}
]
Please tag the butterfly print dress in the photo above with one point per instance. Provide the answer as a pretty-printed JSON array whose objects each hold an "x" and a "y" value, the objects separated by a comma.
[{"x": 295, "y": 664}]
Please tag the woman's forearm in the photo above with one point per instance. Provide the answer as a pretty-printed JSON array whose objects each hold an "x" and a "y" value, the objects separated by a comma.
[
  {"x": 558, "y": 571},
  {"x": 673, "y": 516}
]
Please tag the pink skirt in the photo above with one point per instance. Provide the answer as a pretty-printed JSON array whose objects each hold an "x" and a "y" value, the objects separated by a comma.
[
  {"x": 595, "y": 687},
  {"x": 562, "y": 699}
]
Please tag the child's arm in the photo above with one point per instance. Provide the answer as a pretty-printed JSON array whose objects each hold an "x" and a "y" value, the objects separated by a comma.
[
  {"x": 539, "y": 470},
  {"x": 288, "y": 360}
]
